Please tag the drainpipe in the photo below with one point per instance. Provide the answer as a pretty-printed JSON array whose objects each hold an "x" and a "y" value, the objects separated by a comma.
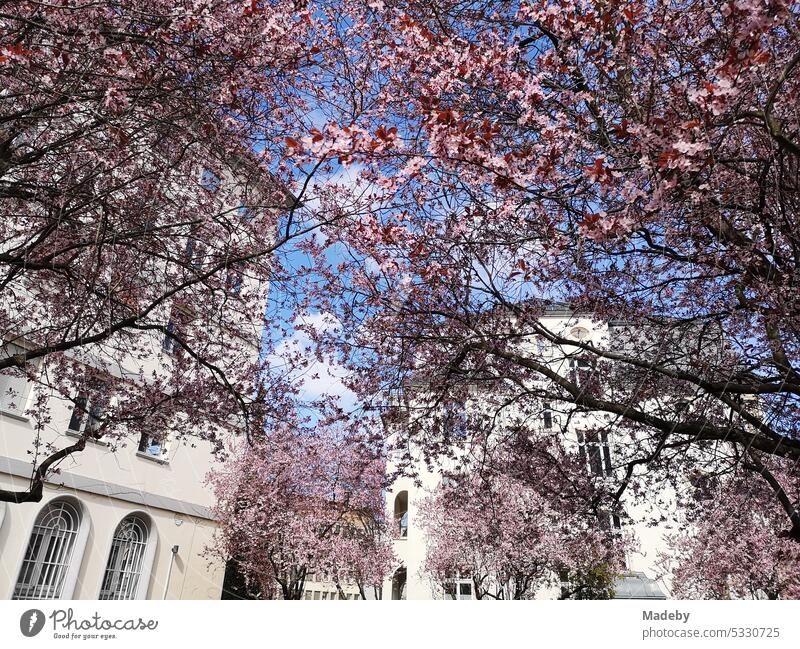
[{"x": 169, "y": 572}]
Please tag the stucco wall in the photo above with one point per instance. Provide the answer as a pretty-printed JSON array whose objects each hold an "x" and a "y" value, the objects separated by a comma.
[{"x": 194, "y": 576}]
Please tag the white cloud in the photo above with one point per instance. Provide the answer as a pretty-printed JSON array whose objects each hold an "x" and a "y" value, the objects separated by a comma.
[{"x": 320, "y": 377}]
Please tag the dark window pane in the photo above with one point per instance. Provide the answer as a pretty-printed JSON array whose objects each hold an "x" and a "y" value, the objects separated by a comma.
[
  {"x": 77, "y": 413},
  {"x": 234, "y": 281},
  {"x": 96, "y": 412},
  {"x": 169, "y": 339},
  {"x": 595, "y": 463}
]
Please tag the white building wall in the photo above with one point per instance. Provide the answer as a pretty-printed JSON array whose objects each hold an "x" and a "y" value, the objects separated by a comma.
[
  {"x": 192, "y": 576},
  {"x": 411, "y": 550},
  {"x": 112, "y": 481}
]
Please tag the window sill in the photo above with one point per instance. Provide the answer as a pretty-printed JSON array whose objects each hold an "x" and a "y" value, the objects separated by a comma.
[
  {"x": 96, "y": 442},
  {"x": 152, "y": 458},
  {"x": 14, "y": 414}
]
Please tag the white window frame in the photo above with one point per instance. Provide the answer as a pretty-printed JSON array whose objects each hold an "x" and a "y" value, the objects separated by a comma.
[
  {"x": 90, "y": 414},
  {"x": 195, "y": 252},
  {"x": 164, "y": 448},
  {"x": 169, "y": 343},
  {"x": 459, "y": 583},
  {"x": 554, "y": 422},
  {"x": 401, "y": 518},
  {"x": 456, "y": 419},
  {"x": 177, "y": 321},
  {"x": 601, "y": 447},
  {"x": 134, "y": 583},
  {"x": 63, "y": 568}
]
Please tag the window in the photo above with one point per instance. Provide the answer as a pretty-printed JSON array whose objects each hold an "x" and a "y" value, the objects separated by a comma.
[
  {"x": 154, "y": 446},
  {"x": 210, "y": 180},
  {"x": 578, "y": 370},
  {"x": 14, "y": 385},
  {"x": 170, "y": 343},
  {"x": 583, "y": 375},
  {"x": 399, "y": 584},
  {"x": 595, "y": 452},
  {"x": 401, "y": 513},
  {"x": 126, "y": 560},
  {"x": 458, "y": 588},
  {"x": 52, "y": 553},
  {"x": 95, "y": 407},
  {"x": 608, "y": 520},
  {"x": 177, "y": 327},
  {"x": 549, "y": 419}
]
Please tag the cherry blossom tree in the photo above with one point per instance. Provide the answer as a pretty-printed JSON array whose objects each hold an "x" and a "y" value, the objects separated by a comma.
[
  {"x": 514, "y": 543},
  {"x": 490, "y": 165},
  {"x": 631, "y": 163},
  {"x": 736, "y": 549},
  {"x": 297, "y": 502},
  {"x": 145, "y": 202}
]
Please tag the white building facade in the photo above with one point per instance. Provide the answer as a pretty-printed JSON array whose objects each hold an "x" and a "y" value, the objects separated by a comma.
[{"x": 642, "y": 579}]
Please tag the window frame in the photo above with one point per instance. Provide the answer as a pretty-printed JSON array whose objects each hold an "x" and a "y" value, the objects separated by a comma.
[
  {"x": 401, "y": 516},
  {"x": 147, "y": 549},
  {"x": 454, "y": 586},
  {"x": 67, "y": 577},
  {"x": 595, "y": 453},
  {"x": 92, "y": 413},
  {"x": 165, "y": 446},
  {"x": 234, "y": 280}
]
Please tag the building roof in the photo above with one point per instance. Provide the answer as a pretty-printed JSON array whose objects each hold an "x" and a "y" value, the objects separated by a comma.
[{"x": 637, "y": 585}]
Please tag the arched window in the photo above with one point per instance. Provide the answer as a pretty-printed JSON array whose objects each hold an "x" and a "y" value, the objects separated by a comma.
[
  {"x": 401, "y": 513},
  {"x": 579, "y": 333},
  {"x": 53, "y": 553},
  {"x": 128, "y": 566},
  {"x": 399, "y": 584}
]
